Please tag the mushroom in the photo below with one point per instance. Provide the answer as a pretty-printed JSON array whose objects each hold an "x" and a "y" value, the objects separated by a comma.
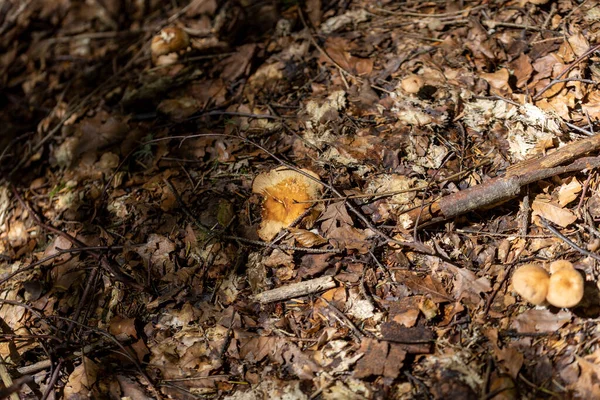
[
  {"x": 531, "y": 282},
  {"x": 411, "y": 84},
  {"x": 565, "y": 288},
  {"x": 169, "y": 40},
  {"x": 559, "y": 264},
  {"x": 286, "y": 193}
]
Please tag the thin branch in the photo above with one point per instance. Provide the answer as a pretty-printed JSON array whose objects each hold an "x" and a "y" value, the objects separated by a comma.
[
  {"x": 568, "y": 241},
  {"x": 566, "y": 70}
]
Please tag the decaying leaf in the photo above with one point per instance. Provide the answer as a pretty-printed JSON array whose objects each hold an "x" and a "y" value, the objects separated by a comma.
[
  {"x": 541, "y": 320},
  {"x": 307, "y": 238},
  {"x": 380, "y": 359},
  {"x": 568, "y": 192},
  {"x": 552, "y": 212},
  {"x": 81, "y": 380},
  {"x": 283, "y": 189}
]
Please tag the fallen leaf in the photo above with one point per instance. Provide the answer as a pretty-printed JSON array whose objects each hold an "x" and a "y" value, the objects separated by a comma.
[
  {"x": 535, "y": 320},
  {"x": 380, "y": 359},
  {"x": 498, "y": 80},
  {"x": 307, "y": 238},
  {"x": 568, "y": 192},
  {"x": 349, "y": 238},
  {"x": 553, "y": 212},
  {"x": 335, "y": 215},
  {"x": 588, "y": 383},
  {"x": 522, "y": 69},
  {"x": 80, "y": 382}
]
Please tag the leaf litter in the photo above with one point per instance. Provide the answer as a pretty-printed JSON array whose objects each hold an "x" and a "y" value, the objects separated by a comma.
[{"x": 240, "y": 200}]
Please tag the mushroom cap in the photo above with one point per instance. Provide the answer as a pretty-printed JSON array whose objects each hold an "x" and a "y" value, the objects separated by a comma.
[
  {"x": 169, "y": 40},
  {"x": 411, "y": 84},
  {"x": 560, "y": 264},
  {"x": 565, "y": 288},
  {"x": 531, "y": 282},
  {"x": 285, "y": 192}
]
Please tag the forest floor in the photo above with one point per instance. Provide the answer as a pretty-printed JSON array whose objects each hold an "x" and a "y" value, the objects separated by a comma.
[{"x": 297, "y": 200}]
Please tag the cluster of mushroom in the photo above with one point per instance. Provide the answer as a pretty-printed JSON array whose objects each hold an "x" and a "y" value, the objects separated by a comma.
[{"x": 562, "y": 287}]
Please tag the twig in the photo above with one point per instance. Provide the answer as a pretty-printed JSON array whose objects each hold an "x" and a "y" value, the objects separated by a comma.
[
  {"x": 566, "y": 70},
  {"x": 358, "y": 334},
  {"x": 508, "y": 186},
  {"x": 15, "y": 386},
  {"x": 90, "y": 283},
  {"x": 91, "y": 36},
  {"x": 57, "y": 254},
  {"x": 363, "y": 286},
  {"x": 132, "y": 358},
  {"x": 578, "y": 129},
  {"x": 8, "y": 382},
  {"x": 492, "y": 296},
  {"x": 102, "y": 259},
  {"x": 525, "y": 210},
  {"x": 493, "y": 24},
  {"x": 546, "y": 22},
  {"x": 584, "y": 192},
  {"x": 568, "y": 241},
  {"x": 282, "y": 246},
  {"x": 296, "y": 290},
  {"x": 383, "y": 267},
  {"x": 424, "y": 15},
  {"x": 53, "y": 380},
  {"x": 395, "y": 192}
]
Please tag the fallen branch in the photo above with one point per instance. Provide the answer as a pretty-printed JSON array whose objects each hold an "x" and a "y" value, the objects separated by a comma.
[
  {"x": 508, "y": 186},
  {"x": 296, "y": 290}
]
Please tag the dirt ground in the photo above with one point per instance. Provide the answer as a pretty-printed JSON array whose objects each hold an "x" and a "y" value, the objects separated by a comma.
[{"x": 260, "y": 199}]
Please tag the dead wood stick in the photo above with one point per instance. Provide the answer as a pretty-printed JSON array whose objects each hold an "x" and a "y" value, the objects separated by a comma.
[
  {"x": 296, "y": 290},
  {"x": 509, "y": 185}
]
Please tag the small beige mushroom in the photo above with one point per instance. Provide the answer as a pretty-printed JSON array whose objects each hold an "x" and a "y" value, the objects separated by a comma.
[
  {"x": 531, "y": 282},
  {"x": 411, "y": 84},
  {"x": 565, "y": 288},
  {"x": 558, "y": 265}
]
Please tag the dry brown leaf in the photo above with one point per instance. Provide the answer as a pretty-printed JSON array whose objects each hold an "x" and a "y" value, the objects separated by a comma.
[
  {"x": 307, "y": 238},
  {"x": 587, "y": 385},
  {"x": 536, "y": 320},
  {"x": 123, "y": 328},
  {"x": 278, "y": 258},
  {"x": 522, "y": 69},
  {"x": 313, "y": 264},
  {"x": 179, "y": 109},
  {"x": 406, "y": 311},
  {"x": 579, "y": 44},
  {"x": 592, "y": 105},
  {"x": 336, "y": 49},
  {"x": 469, "y": 286},
  {"x": 425, "y": 285},
  {"x": 498, "y": 80},
  {"x": 380, "y": 359},
  {"x": 552, "y": 212},
  {"x": 81, "y": 380},
  {"x": 568, "y": 192},
  {"x": 350, "y": 238},
  {"x": 335, "y": 215}
]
